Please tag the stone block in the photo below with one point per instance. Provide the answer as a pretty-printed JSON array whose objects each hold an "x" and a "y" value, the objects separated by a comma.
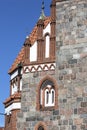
[
  {"x": 83, "y": 127},
  {"x": 85, "y": 120},
  {"x": 70, "y": 121},
  {"x": 64, "y": 100},
  {"x": 79, "y": 99},
  {"x": 55, "y": 112},
  {"x": 60, "y": 122},
  {"x": 83, "y": 115},
  {"x": 82, "y": 110},
  {"x": 32, "y": 118},
  {"x": 65, "y": 122},
  {"x": 63, "y": 127},
  {"x": 72, "y": 61},
  {"x": 78, "y": 121},
  {"x": 85, "y": 5},
  {"x": 28, "y": 129},
  {"x": 73, "y": 127},
  {"x": 75, "y": 111},
  {"x": 83, "y": 104}
]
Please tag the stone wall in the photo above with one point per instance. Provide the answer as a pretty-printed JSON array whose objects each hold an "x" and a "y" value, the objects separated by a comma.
[
  {"x": 71, "y": 60},
  {"x": 29, "y": 116}
]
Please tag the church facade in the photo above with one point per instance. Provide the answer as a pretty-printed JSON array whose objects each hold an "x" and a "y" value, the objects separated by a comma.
[{"x": 48, "y": 85}]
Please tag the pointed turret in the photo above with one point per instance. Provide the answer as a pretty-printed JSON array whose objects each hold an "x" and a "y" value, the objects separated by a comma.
[
  {"x": 53, "y": 9},
  {"x": 40, "y": 27},
  {"x": 27, "y": 45},
  {"x": 42, "y": 15},
  {"x": 53, "y": 25}
]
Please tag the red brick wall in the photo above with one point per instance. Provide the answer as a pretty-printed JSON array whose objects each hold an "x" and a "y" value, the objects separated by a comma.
[{"x": 11, "y": 120}]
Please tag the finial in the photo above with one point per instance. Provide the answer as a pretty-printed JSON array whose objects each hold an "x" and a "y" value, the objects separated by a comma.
[
  {"x": 42, "y": 16},
  {"x": 43, "y": 5},
  {"x": 27, "y": 36}
]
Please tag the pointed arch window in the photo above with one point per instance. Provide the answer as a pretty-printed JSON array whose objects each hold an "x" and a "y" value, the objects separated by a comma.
[{"x": 47, "y": 95}]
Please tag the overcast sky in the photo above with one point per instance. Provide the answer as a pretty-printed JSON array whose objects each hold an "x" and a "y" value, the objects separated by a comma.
[{"x": 17, "y": 19}]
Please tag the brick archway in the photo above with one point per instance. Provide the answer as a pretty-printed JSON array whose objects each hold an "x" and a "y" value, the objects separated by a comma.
[
  {"x": 38, "y": 91},
  {"x": 40, "y": 124}
]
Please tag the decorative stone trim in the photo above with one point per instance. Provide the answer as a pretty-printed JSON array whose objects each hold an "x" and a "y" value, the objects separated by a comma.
[
  {"x": 15, "y": 105},
  {"x": 41, "y": 67}
]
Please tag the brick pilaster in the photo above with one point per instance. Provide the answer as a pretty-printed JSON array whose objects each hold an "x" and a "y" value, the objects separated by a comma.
[
  {"x": 40, "y": 26},
  {"x": 27, "y": 45},
  {"x": 53, "y": 33}
]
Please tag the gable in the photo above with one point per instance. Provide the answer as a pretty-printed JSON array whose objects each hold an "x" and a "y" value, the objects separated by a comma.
[{"x": 33, "y": 39}]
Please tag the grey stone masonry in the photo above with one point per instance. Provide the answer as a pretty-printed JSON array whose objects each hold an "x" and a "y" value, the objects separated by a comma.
[
  {"x": 70, "y": 74},
  {"x": 71, "y": 61},
  {"x": 29, "y": 116}
]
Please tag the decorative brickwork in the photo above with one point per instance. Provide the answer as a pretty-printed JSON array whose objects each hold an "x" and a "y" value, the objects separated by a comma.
[
  {"x": 27, "y": 45},
  {"x": 10, "y": 120}
]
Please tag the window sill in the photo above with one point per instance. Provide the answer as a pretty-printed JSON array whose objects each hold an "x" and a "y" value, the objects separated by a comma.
[{"x": 48, "y": 108}]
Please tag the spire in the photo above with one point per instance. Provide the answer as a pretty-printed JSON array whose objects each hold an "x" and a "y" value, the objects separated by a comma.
[{"x": 42, "y": 16}]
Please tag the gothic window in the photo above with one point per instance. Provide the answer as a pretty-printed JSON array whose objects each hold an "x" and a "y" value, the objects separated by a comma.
[{"x": 47, "y": 94}]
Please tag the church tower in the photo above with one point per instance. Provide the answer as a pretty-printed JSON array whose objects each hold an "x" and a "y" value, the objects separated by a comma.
[
  {"x": 33, "y": 88},
  {"x": 48, "y": 86}
]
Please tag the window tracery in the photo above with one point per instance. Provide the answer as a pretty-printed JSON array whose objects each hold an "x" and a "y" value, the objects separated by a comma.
[{"x": 47, "y": 94}]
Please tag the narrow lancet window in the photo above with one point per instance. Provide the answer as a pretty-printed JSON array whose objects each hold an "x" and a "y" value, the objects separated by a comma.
[
  {"x": 47, "y": 47},
  {"x": 47, "y": 97},
  {"x": 52, "y": 96}
]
